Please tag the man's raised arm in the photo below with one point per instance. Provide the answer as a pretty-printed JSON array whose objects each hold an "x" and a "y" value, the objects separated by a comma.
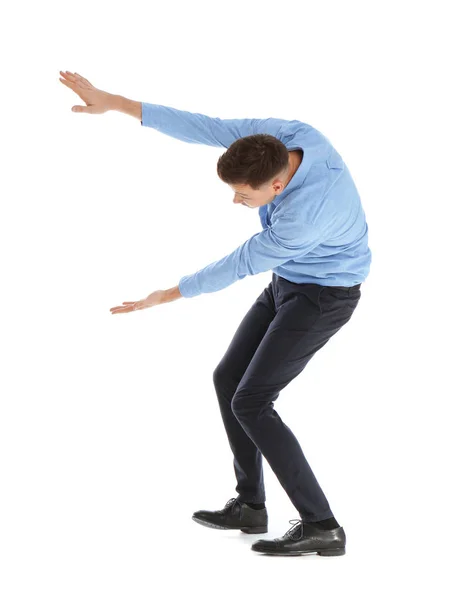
[
  {"x": 196, "y": 128},
  {"x": 189, "y": 127}
]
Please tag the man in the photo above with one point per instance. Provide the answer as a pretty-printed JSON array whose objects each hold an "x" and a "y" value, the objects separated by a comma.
[{"x": 315, "y": 240}]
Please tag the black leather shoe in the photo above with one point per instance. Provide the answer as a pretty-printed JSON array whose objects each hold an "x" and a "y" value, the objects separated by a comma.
[
  {"x": 235, "y": 515},
  {"x": 305, "y": 538}
]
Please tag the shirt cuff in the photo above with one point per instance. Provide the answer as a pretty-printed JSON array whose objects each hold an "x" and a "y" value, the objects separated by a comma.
[
  {"x": 187, "y": 287},
  {"x": 150, "y": 114}
]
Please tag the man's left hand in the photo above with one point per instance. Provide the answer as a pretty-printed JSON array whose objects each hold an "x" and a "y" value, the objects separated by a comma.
[{"x": 153, "y": 299}]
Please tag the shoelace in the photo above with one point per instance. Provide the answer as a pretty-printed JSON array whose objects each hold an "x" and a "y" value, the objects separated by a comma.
[
  {"x": 290, "y": 533},
  {"x": 294, "y": 529},
  {"x": 232, "y": 502}
]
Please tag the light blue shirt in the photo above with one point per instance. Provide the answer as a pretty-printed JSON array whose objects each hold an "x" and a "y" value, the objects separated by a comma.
[{"x": 315, "y": 231}]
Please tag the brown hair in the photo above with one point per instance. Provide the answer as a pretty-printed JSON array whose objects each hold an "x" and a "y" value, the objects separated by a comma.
[{"x": 253, "y": 160}]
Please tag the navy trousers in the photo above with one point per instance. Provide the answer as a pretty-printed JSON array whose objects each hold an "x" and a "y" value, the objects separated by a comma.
[{"x": 280, "y": 333}]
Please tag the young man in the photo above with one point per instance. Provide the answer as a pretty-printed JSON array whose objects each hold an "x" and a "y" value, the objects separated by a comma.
[{"x": 314, "y": 238}]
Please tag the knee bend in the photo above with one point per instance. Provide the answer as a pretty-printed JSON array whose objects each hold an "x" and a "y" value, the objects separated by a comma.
[
  {"x": 240, "y": 405},
  {"x": 222, "y": 379},
  {"x": 217, "y": 376}
]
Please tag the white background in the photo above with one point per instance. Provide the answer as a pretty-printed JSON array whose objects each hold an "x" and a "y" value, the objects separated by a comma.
[{"x": 110, "y": 431}]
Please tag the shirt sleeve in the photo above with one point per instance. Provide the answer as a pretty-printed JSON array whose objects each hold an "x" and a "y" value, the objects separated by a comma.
[
  {"x": 287, "y": 239},
  {"x": 196, "y": 128}
]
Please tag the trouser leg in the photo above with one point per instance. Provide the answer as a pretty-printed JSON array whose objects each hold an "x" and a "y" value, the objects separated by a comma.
[
  {"x": 247, "y": 462},
  {"x": 307, "y": 316}
]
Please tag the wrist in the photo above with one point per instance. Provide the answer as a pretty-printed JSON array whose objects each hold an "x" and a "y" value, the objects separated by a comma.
[
  {"x": 114, "y": 101},
  {"x": 126, "y": 106}
]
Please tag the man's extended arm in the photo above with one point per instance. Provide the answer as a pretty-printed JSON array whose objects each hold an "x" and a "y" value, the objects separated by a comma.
[
  {"x": 196, "y": 128},
  {"x": 186, "y": 126},
  {"x": 287, "y": 239}
]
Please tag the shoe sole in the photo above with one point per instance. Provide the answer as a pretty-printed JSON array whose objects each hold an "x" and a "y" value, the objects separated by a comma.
[
  {"x": 247, "y": 529},
  {"x": 327, "y": 552}
]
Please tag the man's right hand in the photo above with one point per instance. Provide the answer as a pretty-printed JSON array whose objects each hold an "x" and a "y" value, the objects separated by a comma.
[{"x": 97, "y": 101}]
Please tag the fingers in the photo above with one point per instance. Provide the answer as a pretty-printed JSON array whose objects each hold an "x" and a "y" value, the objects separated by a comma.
[
  {"x": 70, "y": 81},
  {"x": 124, "y": 309},
  {"x": 121, "y": 309},
  {"x": 83, "y": 79},
  {"x": 67, "y": 83},
  {"x": 75, "y": 78},
  {"x": 69, "y": 75},
  {"x": 128, "y": 307}
]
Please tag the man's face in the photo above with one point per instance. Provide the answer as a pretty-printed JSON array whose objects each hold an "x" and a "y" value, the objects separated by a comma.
[{"x": 244, "y": 194}]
